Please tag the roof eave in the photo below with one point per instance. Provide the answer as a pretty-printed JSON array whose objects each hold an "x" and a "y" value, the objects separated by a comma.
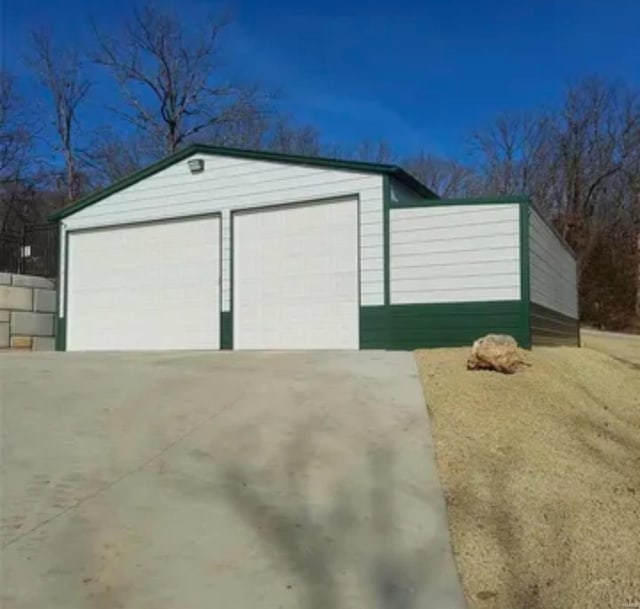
[
  {"x": 408, "y": 180},
  {"x": 129, "y": 180},
  {"x": 137, "y": 176}
]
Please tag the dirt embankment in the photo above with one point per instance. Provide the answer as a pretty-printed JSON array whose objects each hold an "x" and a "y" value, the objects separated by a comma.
[{"x": 541, "y": 472}]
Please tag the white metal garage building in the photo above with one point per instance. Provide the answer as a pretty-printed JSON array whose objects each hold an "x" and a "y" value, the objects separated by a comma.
[{"x": 221, "y": 248}]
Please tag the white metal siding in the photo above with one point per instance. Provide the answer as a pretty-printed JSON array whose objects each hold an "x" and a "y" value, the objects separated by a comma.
[
  {"x": 461, "y": 253},
  {"x": 233, "y": 183},
  {"x": 553, "y": 270},
  {"x": 149, "y": 286},
  {"x": 295, "y": 277}
]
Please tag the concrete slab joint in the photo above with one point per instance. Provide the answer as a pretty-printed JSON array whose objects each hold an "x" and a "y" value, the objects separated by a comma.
[
  {"x": 5, "y": 316},
  {"x": 32, "y": 324},
  {"x": 44, "y": 301}
]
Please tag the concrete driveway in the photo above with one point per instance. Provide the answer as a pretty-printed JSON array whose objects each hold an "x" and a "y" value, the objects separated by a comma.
[{"x": 236, "y": 480}]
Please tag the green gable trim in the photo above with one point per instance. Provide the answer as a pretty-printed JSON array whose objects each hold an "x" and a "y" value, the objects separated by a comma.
[
  {"x": 549, "y": 327},
  {"x": 226, "y": 330},
  {"x": 498, "y": 200},
  {"x": 137, "y": 176},
  {"x": 525, "y": 275},
  {"x": 127, "y": 181}
]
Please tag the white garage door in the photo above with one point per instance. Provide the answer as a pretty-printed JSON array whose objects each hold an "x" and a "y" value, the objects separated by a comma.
[
  {"x": 295, "y": 277},
  {"x": 148, "y": 286}
]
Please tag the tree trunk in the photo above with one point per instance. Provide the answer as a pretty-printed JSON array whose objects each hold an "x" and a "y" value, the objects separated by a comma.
[{"x": 72, "y": 181}]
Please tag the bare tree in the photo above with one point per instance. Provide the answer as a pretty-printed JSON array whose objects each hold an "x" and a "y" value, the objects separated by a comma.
[
  {"x": 112, "y": 155},
  {"x": 596, "y": 160},
  {"x": 581, "y": 164},
  {"x": 16, "y": 139},
  {"x": 61, "y": 72},
  {"x": 171, "y": 80},
  {"x": 446, "y": 177},
  {"x": 510, "y": 151},
  {"x": 15, "y": 132},
  {"x": 249, "y": 133},
  {"x": 570, "y": 160},
  {"x": 631, "y": 155},
  {"x": 289, "y": 138},
  {"x": 590, "y": 134},
  {"x": 375, "y": 152}
]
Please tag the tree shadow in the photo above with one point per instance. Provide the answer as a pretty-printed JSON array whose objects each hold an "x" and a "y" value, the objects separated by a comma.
[
  {"x": 491, "y": 517},
  {"x": 613, "y": 443},
  {"x": 351, "y": 530},
  {"x": 610, "y": 436}
]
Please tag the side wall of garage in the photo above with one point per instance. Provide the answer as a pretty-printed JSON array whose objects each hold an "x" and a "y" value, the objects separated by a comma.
[
  {"x": 455, "y": 271},
  {"x": 228, "y": 184},
  {"x": 554, "y": 291}
]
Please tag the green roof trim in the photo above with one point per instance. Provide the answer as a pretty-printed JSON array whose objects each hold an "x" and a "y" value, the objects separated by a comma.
[
  {"x": 488, "y": 200},
  {"x": 137, "y": 176}
]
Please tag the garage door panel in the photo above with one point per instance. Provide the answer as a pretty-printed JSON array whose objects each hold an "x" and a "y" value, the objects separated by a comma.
[
  {"x": 152, "y": 286},
  {"x": 296, "y": 277}
]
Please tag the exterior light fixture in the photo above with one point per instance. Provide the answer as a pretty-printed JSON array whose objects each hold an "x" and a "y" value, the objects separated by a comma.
[{"x": 196, "y": 165}]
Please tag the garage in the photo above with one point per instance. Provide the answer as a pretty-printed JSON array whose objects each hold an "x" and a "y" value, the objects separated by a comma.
[
  {"x": 143, "y": 286},
  {"x": 295, "y": 277},
  {"x": 219, "y": 248}
]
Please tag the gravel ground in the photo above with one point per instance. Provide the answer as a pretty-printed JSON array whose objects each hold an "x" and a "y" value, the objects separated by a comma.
[
  {"x": 541, "y": 473},
  {"x": 621, "y": 346}
]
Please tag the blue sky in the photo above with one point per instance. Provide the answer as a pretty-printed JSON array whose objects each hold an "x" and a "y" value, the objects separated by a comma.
[{"x": 418, "y": 74}]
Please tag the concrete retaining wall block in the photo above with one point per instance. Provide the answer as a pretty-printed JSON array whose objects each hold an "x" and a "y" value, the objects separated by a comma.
[
  {"x": 21, "y": 342},
  {"x": 31, "y": 281},
  {"x": 20, "y": 299},
  {"x": 43, "y": 343},
  {"x": 32, "y": 324},
  {"x": 44, "y": 301},
  {"x": 27, "y": 310}
]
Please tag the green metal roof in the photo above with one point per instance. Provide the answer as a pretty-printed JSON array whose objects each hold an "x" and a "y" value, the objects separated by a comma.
[{"x": 393, "y": 170}]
